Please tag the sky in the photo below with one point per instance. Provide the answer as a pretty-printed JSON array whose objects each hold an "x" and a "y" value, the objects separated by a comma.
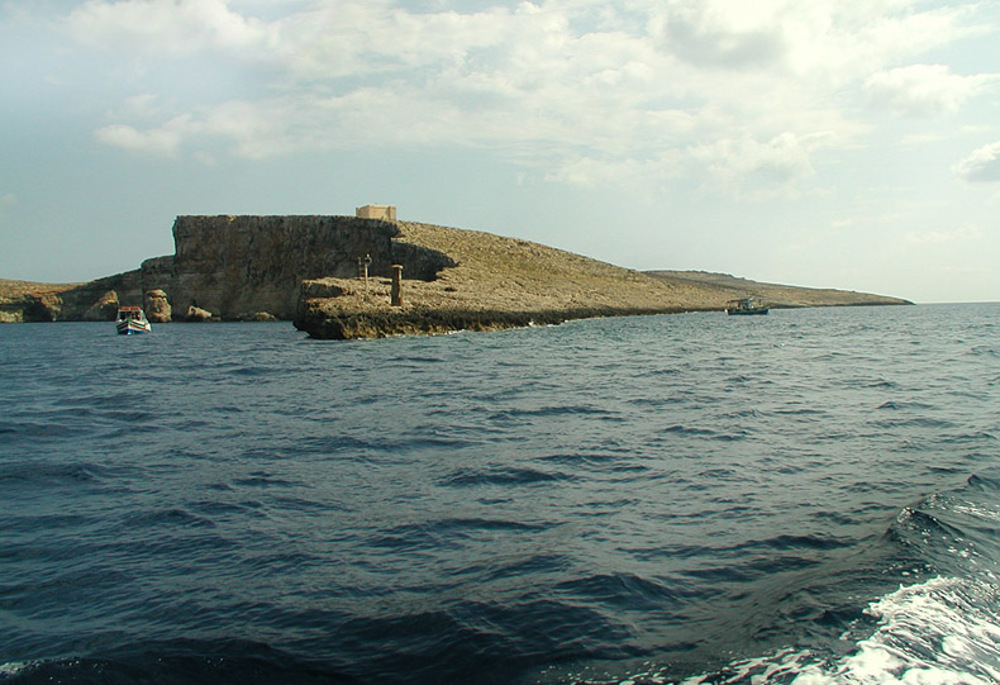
[{"x": 828, "y": 143}]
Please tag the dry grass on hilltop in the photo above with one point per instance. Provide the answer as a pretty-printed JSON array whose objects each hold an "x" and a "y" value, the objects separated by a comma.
[
  {"x": 495, "y": 272},
  {"x": 775, "y": 294},
  {"x": 12, "y": 289}
]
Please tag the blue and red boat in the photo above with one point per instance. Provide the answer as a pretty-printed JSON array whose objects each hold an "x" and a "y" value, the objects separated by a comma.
[{"x": 132, "y": 321}]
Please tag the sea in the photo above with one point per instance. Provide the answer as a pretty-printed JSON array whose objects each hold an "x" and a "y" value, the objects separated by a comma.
[{"x": 807, "y": 497}]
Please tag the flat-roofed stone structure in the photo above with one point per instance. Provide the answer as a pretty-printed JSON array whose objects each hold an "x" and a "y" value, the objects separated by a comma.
[{"x": 382, "y": 212}]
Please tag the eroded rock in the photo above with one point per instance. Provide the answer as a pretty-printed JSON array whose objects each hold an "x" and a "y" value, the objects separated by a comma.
[
  {"x": 197, "y": 314},
  {"x": 158, "y": 308}
]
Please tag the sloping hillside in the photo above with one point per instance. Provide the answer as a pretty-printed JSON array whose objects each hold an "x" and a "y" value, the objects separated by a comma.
[
  {"x": 500, "y": 282},
  {"x": 774, "y": 294},
  {"x": 28, "y": 301}
]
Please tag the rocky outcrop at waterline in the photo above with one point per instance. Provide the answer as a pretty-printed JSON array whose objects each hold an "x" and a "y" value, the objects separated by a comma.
[
  {"x": 158, "y": 309},
  {"x": 310, "y": 269}
]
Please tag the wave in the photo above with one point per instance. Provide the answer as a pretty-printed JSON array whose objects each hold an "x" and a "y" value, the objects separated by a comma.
[
  {"x": 502, "y": 476},
  {"x": 180, "y": 661},
  {"x": 932, "y": 632},
  {"x": 957, "y": 532},
  {"x": 942, "y": 627},
  {"x": 556, "y": 411},
  {"x": 53, "y": 472}
]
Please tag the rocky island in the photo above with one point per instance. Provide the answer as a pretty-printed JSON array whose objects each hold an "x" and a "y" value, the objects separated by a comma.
[{"x": 340, "y": 277}]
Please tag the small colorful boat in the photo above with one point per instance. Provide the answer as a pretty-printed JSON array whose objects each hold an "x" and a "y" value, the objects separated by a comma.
[
  {"x": 747, "y": 305},
  {"x": 131, "y": 321}
]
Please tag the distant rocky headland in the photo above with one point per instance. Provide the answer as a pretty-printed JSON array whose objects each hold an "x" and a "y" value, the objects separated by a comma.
[{"x": 420, "y": 278}]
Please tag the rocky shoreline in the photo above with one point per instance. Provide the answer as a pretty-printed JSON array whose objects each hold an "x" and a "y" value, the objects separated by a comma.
[
  {"x": 378, "y": 324},
  {"x": 310, "y": 270}
]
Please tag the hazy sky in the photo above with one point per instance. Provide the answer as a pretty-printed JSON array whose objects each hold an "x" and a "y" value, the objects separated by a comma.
[{"x": 833, "y": 143}]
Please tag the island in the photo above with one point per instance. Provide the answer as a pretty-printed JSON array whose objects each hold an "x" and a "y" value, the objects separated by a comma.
[{"x": 344, "y": 277}]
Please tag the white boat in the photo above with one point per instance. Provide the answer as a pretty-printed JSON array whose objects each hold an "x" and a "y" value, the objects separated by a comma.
[{"x": 132, "y": 320}]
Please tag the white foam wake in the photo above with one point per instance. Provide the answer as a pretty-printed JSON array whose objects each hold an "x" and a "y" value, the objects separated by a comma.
[{"x": 944, "y": 631}]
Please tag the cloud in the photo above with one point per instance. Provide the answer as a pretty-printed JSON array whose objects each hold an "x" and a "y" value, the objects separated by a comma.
[
  {"x": 580, "y": 90},
  {"x": 982, "y": 166},
  {"x": 752, "y": 169},
  {"x": 827, "y": 39},
  {"x": 709, "y": 34},
  {"x": 923, "y": 90},
  {"x": 643, "y": 177},
  {"x": 176, "y": 26},
  {"x": 963, "y": 233},
  {"x": 163, "y": 141}
]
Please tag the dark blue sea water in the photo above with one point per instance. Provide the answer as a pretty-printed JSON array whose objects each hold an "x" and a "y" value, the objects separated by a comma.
[{"x": 808, "y": 497}]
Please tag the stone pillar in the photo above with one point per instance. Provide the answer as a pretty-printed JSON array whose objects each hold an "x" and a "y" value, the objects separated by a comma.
[
  {"x": 397, "y": 285},
  {"x": 158, "y": 308},
  {"x": 363, "y": 265}
]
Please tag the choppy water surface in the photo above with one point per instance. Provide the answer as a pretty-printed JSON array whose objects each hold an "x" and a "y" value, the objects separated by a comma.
[{"x": 811, "y": 496}]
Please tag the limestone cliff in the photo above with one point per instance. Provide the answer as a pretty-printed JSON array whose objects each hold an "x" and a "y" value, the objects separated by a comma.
[
  {"x": 241, "y": 267},
  {"x": 238, "y": 266}
]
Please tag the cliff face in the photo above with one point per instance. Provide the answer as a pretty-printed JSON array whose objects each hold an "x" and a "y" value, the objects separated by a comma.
[
  {"x": 238, "y": 267},
  {"x": 234, "y": 266}
]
